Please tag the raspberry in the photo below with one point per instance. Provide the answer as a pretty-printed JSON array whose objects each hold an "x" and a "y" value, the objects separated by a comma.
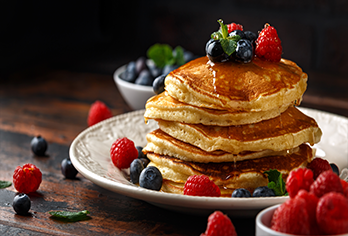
[
  {"x": 332, "y": 213},
  {"x": 345, "y": 188},
  {"x": 233, "y": 26},
  {"x": 219, "y": 224},
  {"x": 292, "y": 217},
  {"x": 318, "y": 165},
  {"x": 98, "y": 112},
  {"x": 201, "y": 185},
  {"x": 123, "y": 152},
  {"x": 326, "y": 182},
  {"x": 311, "y": 207},
  {"x": 268, "y": 45},
  {"x": 27, "y": 179},
  {"x": 300, "y": 178}
]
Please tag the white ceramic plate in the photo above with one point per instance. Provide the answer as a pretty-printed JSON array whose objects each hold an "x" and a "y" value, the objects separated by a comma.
[{"x": 89, "y": 153}]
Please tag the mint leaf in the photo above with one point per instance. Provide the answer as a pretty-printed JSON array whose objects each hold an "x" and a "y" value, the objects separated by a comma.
[
  {"x": 5, "y": 184},
  {"x": 70, "y": 216},
  {"x": 229, "y": 46},
  {"x": 276, "y": 182},
  {"x": 161, "y": 54}
]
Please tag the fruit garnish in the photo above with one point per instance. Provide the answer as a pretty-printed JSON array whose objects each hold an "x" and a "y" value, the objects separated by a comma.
[
  {"x": 70, "y": 216},
  {"x": 27, "y": 179},
  {"x": 136, "y": 167},
  {"x": 228, "y": 43},
  {"x": 38, "y": 145},
  {"x": 268, "y": 44},
  {"x": 276, "y": 182},
  {"x": 5, "y": 184},
  {"x": 123, "y": 152},
  {"x": 67, "y": 168},
  {"x": 98, "y": 112},
  {"x": 301, "y": 178},
  {"x": 326, "y": 182},
  {"x": 318, "y": 165},
  {"x": 151, "y": 178},
  {"x": 263, "y": 191},
  {"x": 234, "y": 26},
  {"x": 241, "y": 192},
  {"x": 21, "y": 204},
  {"x": 163, "y": 54},
  {"x": 219, "y": 225},
  {"x": 201, "y": 185}
]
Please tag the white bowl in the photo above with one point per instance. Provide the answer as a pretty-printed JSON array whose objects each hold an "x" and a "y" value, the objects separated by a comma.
[
  {"x": 263, "y": 223},
  {"x": 135, "y": 95}
]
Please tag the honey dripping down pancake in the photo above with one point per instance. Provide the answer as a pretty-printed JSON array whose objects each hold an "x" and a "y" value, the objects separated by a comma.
[
  {"x": 254, "y": 86},
  {"x": 161, "y": 143},
  {"x": 289, "y": 130},
  {"x": 166, "y": 107},
  {"x": 247, "y": 174}
]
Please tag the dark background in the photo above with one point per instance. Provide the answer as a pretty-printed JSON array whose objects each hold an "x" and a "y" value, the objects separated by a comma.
[{"x": 99, "y": 36}]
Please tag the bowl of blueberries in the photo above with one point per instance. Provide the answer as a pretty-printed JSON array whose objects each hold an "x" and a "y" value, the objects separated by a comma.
[{"x": 143, "y": 78}]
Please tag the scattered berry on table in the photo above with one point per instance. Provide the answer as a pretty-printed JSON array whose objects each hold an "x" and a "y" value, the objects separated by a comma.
[
  {"x": 27, "y": 179},
  {"x": 263, "y": 191},
  {"x": 318, "y": 165},
  {"x": 201, "y": 185},
  {"x": 158, "y": 84},
  {"x": 298, "y": 179},
  {"x": 21, "y": 204},
  {"x": 291, "y": 217},
  {"x": 268, "y": 44},
  {"x": 234, "y": 26},
  {"x": 98, "y": 112},
  {"x": 68, "y": 169},
  {"x": 326, "y": 182},
  {"x": 136, "y": 167},
  {"x": 241, "y": 192},
  {"x": 219, "y": 224},
  {"x": 151, "y": 178},
  {"x": 123, "y": 152},
  {"x": 38, "y": 146},
  {"x": 332, "y": 214},
  {"x": 334, "y": 168}
]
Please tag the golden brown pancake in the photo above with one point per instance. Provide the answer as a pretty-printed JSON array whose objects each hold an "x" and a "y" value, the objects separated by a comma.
[
  {"x": 165, "y": 107},
  {"x": 255, "y": 86},
  {"x": 161, "y": 143},
  {"x": 289, "y": 130},
  {"x": 230, "y": 175}
]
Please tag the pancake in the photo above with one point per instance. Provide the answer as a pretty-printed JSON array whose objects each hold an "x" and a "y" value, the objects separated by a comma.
[
  {"x": 167, "y": 108},
  {"x": 255, "y": 86},
  {"x": 289, "y": 130},
  {"x": 161, "y": 143},
  {"x": 230, "y": 175}
]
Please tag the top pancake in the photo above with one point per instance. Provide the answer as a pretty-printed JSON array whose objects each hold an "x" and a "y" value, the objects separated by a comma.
[{"x": 255, "y": 86}]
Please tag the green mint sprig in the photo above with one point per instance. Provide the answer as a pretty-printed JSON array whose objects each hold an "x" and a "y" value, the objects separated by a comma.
[
  {"x": 276, "y": 182},
  {"x": 5, "y": 184},
  {"x": 70, "y": 216},
  {"x": 163, "y": 54},
  {"x": 228, "y": 43}
]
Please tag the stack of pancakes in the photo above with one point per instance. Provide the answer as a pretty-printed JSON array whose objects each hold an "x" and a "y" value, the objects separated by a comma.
[{"x": 230, "y": 121}]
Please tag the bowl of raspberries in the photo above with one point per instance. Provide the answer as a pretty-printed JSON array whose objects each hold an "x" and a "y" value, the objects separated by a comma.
[
  {"x": 317, "y": 204},
  {"x": 142, "y": 78}
]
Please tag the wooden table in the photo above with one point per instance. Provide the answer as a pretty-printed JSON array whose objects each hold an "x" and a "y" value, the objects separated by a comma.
[{"x": 54, "y": 103}]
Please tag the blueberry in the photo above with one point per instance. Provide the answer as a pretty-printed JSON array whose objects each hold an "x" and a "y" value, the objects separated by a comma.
[
  {"x": 140, "y": 153},
  {"x": 158, "y": 84},
  {"x": 263, "y": 191},
  {"x": 39, "y": 146},
  {"x": 144, "y": 78},
  {"x": 151, "y": 178},
  {"x": 130, "y": 73},
  {"x": 135, "y": 169},
  {"x": 251, "y": 36},
  {"x": 335, "y": 168},
  {"x": 145, "y": 161},
  {"x": 237, "y": 32},
  {"x": 208, "y": 43},
  {"x": 68, "y": 170},
  {"x": 215, "y": 52},
  {"x": 140, "y": 65},
  {"x": 244, "y": 50},
  {"x": 241, "y": 192},
  {"x": 169, "y": 68},
  {"x": 21, "y": 204},
  {"x": 188, "y": 56},
  {"x": 154, "y": 70}
]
